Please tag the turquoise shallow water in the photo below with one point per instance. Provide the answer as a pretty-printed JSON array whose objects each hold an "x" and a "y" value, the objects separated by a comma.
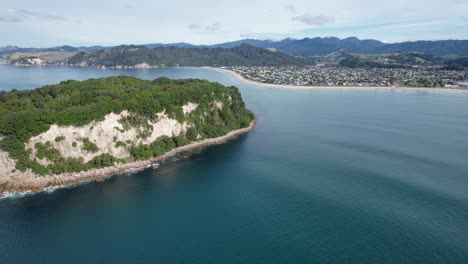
[{"x": 327, "y": 176}]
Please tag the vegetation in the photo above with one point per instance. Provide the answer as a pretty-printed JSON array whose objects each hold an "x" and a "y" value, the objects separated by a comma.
[
  {"x": 46, "y": 151},
  {"x": 25, "y": 114},
  {"x": 120, "y": 144},
  {"x": 393, "y": 60},
  {"x": 173, "y": 56},
  {"x": 89, "y": 146},
  {"x": 459, "y": 64}
]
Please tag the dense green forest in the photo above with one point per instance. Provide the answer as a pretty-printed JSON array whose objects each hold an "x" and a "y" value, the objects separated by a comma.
[
  {"x": 392, "y": 60},
  {"x": 24, "y": 114},
  {"x": 457, "y": 64},
  {"x": 245, "y": 55}
]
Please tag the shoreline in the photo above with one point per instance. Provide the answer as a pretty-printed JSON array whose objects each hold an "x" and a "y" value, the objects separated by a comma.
[
  {"x": 27, "y": 184},
  {"x": 267, "y": 85},
  {"x": 315, "y": 87}
]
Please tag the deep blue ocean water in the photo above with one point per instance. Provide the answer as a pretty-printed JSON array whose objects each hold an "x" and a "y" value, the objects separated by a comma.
[{"x": 327, "y": 176}]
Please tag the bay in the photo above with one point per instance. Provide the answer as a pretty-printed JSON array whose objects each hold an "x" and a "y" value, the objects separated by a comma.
[{"x": 327, "y": 176}]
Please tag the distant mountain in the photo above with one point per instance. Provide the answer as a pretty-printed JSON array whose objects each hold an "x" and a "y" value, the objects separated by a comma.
[
  {"x": 437, "y": 48},
  {"x": 141, "y": 56},
  {"x": 6, "y": 51},
  {"x": 178, "y": 45},
  {"x": 9, "y": 49},
  {"x": 64, "y": 48},
  {"x": 91, "y": 48},
  {"x": 307, "y": 47},
  {"x": 253, "y": 42}
]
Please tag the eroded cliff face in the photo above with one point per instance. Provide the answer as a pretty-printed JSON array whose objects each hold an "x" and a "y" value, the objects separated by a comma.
[
  {"x": 112, "y": 136},
  {"x": 77, "y": 131},
  {"x": 7, "y": 165}
]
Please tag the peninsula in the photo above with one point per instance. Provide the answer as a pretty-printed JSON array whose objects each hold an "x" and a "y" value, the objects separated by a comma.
[{"x": 79, "y": 131}]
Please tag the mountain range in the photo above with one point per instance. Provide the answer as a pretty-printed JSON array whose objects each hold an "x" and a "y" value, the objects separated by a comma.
[
  {"x": 170, "y": 56},
  {"x": 306, "y": 47}
]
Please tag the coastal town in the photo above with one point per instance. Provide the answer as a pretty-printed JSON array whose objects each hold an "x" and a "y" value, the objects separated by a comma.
[{"x": 344, "y": 76}]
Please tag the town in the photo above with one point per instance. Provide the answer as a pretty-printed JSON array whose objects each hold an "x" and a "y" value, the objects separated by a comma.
[{"x": 326, "y": 75}]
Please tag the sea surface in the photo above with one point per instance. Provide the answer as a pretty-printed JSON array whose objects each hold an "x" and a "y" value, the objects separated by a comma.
[{"x": 327, "y": 176}]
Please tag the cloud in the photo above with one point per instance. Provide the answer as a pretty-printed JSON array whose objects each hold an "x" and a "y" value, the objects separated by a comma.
[
  {"x": 246, "y": 35},
  {"x": 16, "y": 16},
  {"x": 213, "y": 27},
  {"x": 194, "y": 26},
  {"x": 200, "y": 28},
  {"x": 290, "y": 8},
  {"x": 314, "y": 20},
  {"x": 251, "y": 35},
  {"x": 9, "y": 18},
  {"x": 42, "y": 16},
  {"x": 42, "y": 24}
]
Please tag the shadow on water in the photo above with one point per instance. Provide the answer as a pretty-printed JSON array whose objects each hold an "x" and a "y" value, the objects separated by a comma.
[
  {"x": 171, "y": 174},
  {"x": 327, "y": 176}
]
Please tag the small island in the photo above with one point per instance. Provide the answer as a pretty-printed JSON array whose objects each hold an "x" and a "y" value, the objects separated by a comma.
[{"x": 80, "y": 131}]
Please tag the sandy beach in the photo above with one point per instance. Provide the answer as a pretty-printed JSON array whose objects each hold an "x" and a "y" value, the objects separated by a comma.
[
  {"x": 302, "y": 87},
  {"x": 29, "y": 183}
]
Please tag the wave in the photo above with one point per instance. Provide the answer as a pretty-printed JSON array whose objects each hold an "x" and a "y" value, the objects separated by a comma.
[{"x": 11, "y": 195}]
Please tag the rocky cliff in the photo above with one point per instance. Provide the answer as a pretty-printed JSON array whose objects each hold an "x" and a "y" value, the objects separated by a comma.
[{"x": 74, "y": 127}]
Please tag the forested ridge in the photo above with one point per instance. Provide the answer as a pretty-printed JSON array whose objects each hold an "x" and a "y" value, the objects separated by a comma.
[{"x": 175, "y": 56}]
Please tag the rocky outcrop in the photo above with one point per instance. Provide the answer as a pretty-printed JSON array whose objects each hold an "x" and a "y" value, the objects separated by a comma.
[
  {"x": 189, "y": 108},
  {"x": 27, "y": 182},
  {"x": 7, "y": 165},
  {"x": 77, "y": 134}
]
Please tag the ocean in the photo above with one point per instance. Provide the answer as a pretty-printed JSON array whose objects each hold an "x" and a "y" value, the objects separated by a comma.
[{"x": 327, "y": 176}]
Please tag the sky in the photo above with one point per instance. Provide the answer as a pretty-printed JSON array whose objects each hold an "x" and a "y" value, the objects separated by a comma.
[{"x": 45, "y": 23}]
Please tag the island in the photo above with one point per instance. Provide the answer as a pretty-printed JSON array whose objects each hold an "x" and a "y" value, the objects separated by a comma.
[{"x": 79, "y": 131}]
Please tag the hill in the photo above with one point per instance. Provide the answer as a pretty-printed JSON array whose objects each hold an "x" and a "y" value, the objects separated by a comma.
[
  {"x": 141, "y": 56},
  {"x": 78, "y": 126},
  {"x": 393, "y": 60},
  {"x": 457, "y": 64}
]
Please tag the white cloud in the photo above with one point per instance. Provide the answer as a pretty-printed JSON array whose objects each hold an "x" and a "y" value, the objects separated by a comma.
[
  {"x": 314, "y": 20},
  {"x": 111, "y": 22},
  {"x": 20, "y": 15},
  {"x": 213, "y": 27},
  {"x": 194, "y": 26},
  {"x": 290, "y": 8}
]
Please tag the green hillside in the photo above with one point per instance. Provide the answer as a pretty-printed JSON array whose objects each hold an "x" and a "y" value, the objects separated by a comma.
[
  {"x": 25, "y": 114},
  {"x": 175, "y": 56}
]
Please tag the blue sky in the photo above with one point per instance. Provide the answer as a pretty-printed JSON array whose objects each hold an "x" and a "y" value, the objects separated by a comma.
[{"x": 93, "y": 22}]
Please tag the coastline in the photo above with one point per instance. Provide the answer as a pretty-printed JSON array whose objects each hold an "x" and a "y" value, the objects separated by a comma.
[
  {"x": 311, "y": 87},
  {"x": 267, "y": 85},
  {"x": 28, "y": 183}
]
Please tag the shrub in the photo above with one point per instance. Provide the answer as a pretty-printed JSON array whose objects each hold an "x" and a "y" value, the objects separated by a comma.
[{"x": 89, "y": 146}]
